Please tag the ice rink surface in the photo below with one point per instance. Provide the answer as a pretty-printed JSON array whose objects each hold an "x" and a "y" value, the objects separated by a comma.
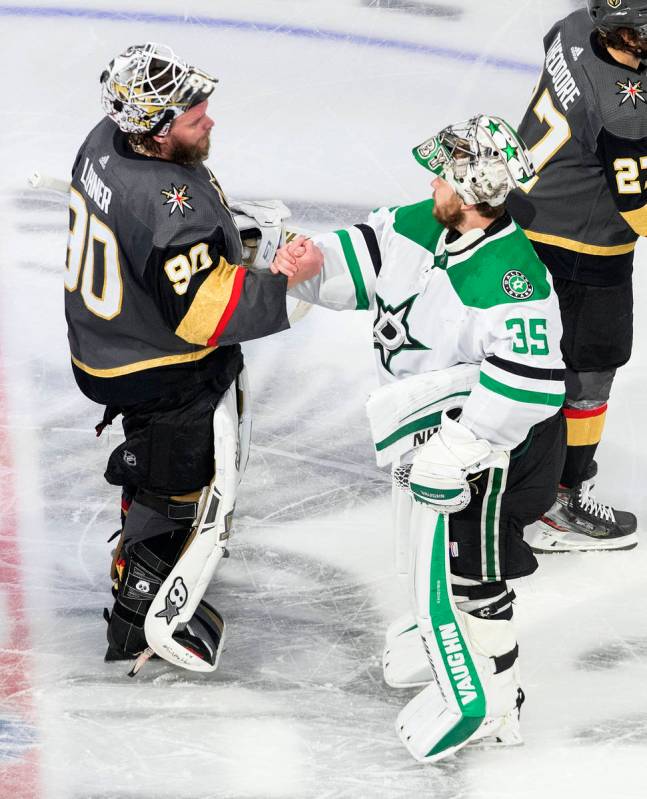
[{"x": 319, "y": 104}]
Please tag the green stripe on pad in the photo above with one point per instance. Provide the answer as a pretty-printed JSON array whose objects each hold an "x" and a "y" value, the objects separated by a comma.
[
  {"x": 435, "y": 402},
  {"x": 426, "y": 493},
  {"x": 468, "y": 690},
  {"x": 521, "y": 394},
  {"x": 433, "y": 420},
  {"x": 361, "y": 295}
]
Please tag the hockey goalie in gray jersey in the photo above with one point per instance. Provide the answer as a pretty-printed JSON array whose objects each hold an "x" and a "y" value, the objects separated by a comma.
[
  {"x": 157, "y": 300},
  {"x": 467, "y": 341}
]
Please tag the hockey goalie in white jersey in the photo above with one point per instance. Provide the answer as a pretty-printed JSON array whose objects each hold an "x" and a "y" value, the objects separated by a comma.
[{"x": 467, "y": 340}]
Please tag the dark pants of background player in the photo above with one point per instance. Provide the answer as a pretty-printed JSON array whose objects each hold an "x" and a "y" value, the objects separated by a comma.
[
  {"x": 487, "y": 536},
  {"x": 168, "y": 452},
  {"x": 598, "y": 335}
]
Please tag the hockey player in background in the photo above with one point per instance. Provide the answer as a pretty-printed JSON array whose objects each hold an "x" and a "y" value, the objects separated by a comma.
[
  {"x": 586, "y": 127},
  {"x": 467, "y": 341},
  {"x": 157, "y": 301}
]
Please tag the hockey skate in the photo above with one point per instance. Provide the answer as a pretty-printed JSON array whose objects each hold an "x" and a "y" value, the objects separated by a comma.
[{"x": 577, "y": 522}]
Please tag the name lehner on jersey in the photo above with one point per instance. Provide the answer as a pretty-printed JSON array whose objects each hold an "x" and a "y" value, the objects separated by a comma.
[{"x": 95, "y": 188}]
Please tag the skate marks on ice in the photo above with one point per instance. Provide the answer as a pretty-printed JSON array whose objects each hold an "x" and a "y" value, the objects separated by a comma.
[
  {"x": 300, "y": 663},
  {"x": 417, "y": 8},
  {"x": 630, "y": 729},
  {"x": 627, "y": 652}
]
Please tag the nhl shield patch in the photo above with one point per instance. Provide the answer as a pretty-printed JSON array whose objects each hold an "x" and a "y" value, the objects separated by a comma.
[{"x": 516, "y": 285}]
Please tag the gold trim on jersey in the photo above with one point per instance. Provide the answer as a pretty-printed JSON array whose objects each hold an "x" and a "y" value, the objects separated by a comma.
[
  {"x": 585, "y": 432},
  {"x": 637, "y": 219},
  {"x": 139, "y": 366},
  {"x": 209, "y": 304},
  {"x": 580, "y": 246}
]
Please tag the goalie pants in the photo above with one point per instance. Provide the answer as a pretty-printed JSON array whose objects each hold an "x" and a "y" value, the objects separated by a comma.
[
  {"x": 486, "y": 539},
  {"x": 168, "y": 454},
  {"x": 598, "y": 335}
]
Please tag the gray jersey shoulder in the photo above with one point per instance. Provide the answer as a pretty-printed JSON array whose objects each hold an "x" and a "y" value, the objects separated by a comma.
[
  {"x": 611, "y": 96},
  {"x": 175, "y": 204}
]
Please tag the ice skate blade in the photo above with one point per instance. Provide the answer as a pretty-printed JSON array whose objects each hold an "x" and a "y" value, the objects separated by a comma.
[
  {"x": 544, "y": 539},
  {"x": 495, "y": 733}
]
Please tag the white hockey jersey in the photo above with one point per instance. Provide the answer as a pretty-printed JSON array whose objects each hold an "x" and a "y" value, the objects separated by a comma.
[{"x": 483, "y": 298}]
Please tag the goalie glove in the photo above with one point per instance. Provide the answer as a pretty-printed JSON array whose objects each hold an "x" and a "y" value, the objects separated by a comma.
[
  {"x": 440, "y": 468},
  {"x": 262, "y": 230}
]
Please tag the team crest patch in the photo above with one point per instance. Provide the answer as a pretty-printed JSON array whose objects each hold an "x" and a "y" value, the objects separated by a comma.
[
  {"x": 391, "y": 331},
  {"x": 516, "y": 285},
  {"x": 631, "y": 91},
  {"x": 614, "y": 3},
  {"x": 178, "y": 199}
]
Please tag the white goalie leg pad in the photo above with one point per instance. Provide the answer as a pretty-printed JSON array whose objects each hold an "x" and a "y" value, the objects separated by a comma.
[
  {"x": 401, "y": 506},
  {"x": 179, "y": 596},
  {"x": 475, "y": 690},
  {"x": 400, "y": 626},
  {"x": 404, "y": 662},
  {"x": 495, "y": 649}
]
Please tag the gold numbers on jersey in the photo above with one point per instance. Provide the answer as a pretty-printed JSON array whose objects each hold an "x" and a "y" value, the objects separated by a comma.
[
  {"x": 92, "y": 252},
  {"x": 559, "y": 132},
  {"x": 180, "y": 269},
  {"x": 627, "y": 174}
]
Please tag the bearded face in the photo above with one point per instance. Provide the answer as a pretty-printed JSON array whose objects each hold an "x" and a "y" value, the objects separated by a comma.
[
  {"x": 189, "y": 154},
  {"x": 447, "y": 205}
]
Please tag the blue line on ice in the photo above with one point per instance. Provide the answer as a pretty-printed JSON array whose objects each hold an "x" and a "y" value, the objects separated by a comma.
[{"x": 271, "y": 27}]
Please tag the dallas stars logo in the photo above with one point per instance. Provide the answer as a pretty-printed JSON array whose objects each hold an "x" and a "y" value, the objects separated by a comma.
[
  {"x": 178, "y": 199},
  {"x": 516, "y": 285},
  {"x": 631, "y": 91},
  {"x": 391, "y": 331}
]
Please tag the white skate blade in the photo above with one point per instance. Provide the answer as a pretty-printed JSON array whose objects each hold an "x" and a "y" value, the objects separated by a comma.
[
  {"x": 544, "y": 538},
  {"x": 402, "y": 624},
  {"x": 405, "y": 662},
  {"x": 430, "y": 730}
]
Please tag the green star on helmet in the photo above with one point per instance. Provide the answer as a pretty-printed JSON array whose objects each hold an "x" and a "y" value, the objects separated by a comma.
[
  {"x": 510, "y": 152},
  {"x": 493, "y": 127}
]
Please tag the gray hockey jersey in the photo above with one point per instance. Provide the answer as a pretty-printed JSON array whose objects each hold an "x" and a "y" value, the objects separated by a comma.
[
  {"x": 154, "y": 292},
  {"x": 586, "y": 128}
]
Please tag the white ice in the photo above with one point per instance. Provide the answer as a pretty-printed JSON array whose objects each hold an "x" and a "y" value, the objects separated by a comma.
[{"x": 308, "y": 112}]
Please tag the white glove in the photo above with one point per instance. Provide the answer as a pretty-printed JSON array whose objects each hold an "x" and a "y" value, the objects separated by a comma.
[
  {"x": 440, "y": 467},
  {"x": 262, "y": 229}
]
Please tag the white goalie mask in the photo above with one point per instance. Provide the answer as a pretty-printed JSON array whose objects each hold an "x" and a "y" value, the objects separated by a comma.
[
  {"x": 147, "y": 86},
  {"x": 482, "y": 159}
]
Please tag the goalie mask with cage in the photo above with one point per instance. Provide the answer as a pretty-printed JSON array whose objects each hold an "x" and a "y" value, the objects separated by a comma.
[
  {"x": 482, "y": 159},
  {"x": 147, "y": 86}
]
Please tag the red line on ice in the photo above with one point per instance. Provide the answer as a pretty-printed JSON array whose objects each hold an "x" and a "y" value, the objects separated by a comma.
[{"x": 19, "y": 765}]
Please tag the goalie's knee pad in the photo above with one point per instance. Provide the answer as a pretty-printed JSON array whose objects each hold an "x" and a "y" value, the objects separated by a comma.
[
  {"x": 405, "y": 662},
  {"x": 144, "y": 558}
]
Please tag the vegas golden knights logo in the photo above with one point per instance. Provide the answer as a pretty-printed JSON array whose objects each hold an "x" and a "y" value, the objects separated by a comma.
[{"x": 614, "y": 3}]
